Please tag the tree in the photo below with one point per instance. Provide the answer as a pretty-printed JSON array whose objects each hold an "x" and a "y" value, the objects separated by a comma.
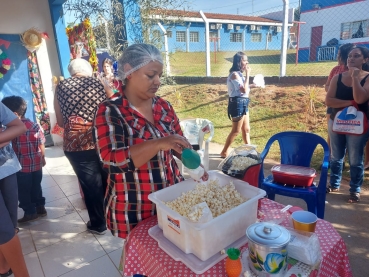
[
  {"x": 297, "y": 13},
  {"x": 108, "y": 19}
]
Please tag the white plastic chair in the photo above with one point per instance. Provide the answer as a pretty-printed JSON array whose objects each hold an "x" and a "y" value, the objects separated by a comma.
[{"x": 194, "y": 130}]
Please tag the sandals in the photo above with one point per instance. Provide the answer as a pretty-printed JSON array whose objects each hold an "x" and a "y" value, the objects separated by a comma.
[
  {"x": 6, "y": 274},
  {"x": 332, "y": 189},
  {"x": 354, "y": 197}
]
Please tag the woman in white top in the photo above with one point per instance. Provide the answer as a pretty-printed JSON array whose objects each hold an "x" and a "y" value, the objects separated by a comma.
[{"x": 238, "y": 104}]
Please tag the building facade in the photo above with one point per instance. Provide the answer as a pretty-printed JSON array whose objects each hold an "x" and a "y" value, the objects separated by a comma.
[
  {"x": 227, "y": 32},
  {"x": 52, "y": 57},
  {"x": 330, "y": 23}
]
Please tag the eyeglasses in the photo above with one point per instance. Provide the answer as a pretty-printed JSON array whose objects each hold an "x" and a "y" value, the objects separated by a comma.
[{"x": 356, "y": 56}]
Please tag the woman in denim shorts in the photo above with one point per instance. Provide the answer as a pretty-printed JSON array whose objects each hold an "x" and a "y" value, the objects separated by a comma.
[{"x": 238, "y": 104}]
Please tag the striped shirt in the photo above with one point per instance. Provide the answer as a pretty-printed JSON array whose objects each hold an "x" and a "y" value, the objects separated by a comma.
[
  {"x": 27, "y": 147},
  {"x": 117, "y": 127}
]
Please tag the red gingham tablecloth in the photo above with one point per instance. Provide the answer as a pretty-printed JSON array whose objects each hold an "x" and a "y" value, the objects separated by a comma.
[{"x": 142, "y": 254}]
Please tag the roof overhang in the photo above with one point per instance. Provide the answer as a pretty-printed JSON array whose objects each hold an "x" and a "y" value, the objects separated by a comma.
[{"x": 224, "y": 21}]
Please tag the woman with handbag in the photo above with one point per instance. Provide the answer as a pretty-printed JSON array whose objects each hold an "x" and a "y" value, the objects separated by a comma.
[{"x": 348, "y": 89}]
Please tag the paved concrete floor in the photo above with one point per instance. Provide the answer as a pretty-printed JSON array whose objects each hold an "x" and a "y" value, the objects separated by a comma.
[{"x": 59, "y": 245}]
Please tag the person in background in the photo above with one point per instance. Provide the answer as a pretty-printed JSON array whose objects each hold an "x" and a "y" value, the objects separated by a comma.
[
  {"x": 343, "y": 89},
  {"x": 11, "y": 256},
  {"x": 76, "y": 102},
  {"x": 342, "y": 54},
  {"x": 137, "y": 135},
  {"x": 108, "y": 79},
  {"x": 30, "y": 150},
  {"x": 238, "y": 103}
]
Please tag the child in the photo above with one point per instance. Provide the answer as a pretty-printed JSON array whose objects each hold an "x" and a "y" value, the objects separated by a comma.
[
  {"x": 11, "y": 256},
  {"x": 30, "y": 150}
]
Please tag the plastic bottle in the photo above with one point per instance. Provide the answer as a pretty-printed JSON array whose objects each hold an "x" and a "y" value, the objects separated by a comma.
[{"x": 233, "y": 265}]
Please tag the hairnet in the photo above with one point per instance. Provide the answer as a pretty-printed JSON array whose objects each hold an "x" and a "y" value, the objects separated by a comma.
[
  {"x": 80, "y": 66},
  {"x": 137, "y": 56}
]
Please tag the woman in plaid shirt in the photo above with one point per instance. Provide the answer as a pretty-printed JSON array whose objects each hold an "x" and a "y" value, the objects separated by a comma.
[{"x": 137, "y": 135}]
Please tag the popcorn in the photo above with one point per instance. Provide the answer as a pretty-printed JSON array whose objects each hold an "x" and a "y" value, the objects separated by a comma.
[
  {"x": 219, "y": 199},
  {"x": 240, "y": 163}
]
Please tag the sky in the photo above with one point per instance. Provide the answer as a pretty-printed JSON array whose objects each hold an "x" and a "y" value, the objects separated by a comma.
[{"x": 247, "y": 7}]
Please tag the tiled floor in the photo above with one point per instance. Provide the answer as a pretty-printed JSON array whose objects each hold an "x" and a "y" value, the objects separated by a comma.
[{"x": 58, "y": 244}]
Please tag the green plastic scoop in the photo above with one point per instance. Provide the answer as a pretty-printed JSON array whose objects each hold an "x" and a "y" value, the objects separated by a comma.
[{"x": 190, "y": 158}]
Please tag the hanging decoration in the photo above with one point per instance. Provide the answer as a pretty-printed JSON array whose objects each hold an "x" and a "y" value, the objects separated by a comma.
[
  {"x": 5, "y": 43},
  {"x": 80, "y": 38},
  {"x": 5, "y": 63},
  {"x": 31, "y": 39},
  {"x": 39, "y": 101}
]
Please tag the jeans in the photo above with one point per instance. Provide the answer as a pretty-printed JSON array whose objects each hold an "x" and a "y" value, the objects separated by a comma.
[
  {"x": 93, "y": 181},
  {"x": 30, "y": 191},
  {"x": 8, "y": 208},
  {"x": 355, "y": 147}
]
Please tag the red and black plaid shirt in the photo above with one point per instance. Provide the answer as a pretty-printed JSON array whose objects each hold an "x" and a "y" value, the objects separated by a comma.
[
  {"x": 27, "y": 147},
  {"x": 117, "y": 127}
]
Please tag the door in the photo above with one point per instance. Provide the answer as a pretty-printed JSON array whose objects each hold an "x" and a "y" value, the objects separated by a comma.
[{"x": 315, "y": 41}]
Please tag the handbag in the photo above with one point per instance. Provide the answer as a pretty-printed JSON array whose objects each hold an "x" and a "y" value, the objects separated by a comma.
[{"x": 350, "y": 121}]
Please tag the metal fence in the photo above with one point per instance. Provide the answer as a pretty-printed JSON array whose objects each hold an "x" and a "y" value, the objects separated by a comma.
[{"x": 316, "y": 30}]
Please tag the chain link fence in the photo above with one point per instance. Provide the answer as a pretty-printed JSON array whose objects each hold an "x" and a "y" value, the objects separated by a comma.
[{"x": 316, "y": 29}]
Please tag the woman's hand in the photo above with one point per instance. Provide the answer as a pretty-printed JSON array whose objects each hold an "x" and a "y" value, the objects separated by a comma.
[
  {"x": 174, "y": 142},
  {"x": 205, "y": 177},
  {"x": 354, "y": 72},
  {"x": 248, "y": 70},
  {"x": 3, "y": 144}
]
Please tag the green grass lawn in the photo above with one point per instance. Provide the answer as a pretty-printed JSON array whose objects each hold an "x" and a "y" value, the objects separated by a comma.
[
  {"x": 262, "y": 62},
  {"x": 273, "y": 109}
]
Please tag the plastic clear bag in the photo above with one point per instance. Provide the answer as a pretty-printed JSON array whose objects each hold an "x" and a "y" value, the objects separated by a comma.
[
  {"x": 304, "y": 247},
  {"x": 239, "y": 160},
  {"x": 195, "y": 174},
  {"x": 259, "y": 80},
  {"x": 6, "y": 153},
  {"x": 200, "y": 213}
]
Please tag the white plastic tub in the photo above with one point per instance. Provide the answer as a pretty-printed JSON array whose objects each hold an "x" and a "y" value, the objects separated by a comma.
[{"x": 206, "y": 239}]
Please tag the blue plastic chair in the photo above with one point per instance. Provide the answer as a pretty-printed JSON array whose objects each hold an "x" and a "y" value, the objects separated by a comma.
[{"x": 297, "y": 148}]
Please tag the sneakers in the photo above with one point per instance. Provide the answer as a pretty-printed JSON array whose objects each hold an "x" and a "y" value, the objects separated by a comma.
[
  {"x": 41, "y": 211},
  {"x": 94, "y": 230},
  {"x": 28, "y": 217}
]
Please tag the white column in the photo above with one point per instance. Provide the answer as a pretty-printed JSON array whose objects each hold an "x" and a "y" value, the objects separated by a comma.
[
  {"x": 207, "y": 44},
  {"x": 244, "y": 38},
  {"x": 167, "y": 64},
  {"x": 283, "y": 61},
  {"x": 188, "y": 37}
]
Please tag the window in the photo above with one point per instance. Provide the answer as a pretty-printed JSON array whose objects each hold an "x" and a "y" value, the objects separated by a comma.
[
  {"x": 194, "y": 36},
  {"x": 236, "y": 37},
  {"x": 270, "y": 37},
  {"x": 356, "y": 29},
  {"x": 169, "y": 34},
  {"x": 213, "y": 34},
  {"x": 181, "y": 36},
  {"x": 256, "y": 37}
]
